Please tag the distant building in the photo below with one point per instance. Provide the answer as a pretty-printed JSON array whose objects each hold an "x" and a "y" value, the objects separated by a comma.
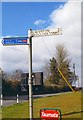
[
  {"x": 36, "y": 77},
  {"x": 1, "y": 71},
  {"x": 1, "y": 76}
]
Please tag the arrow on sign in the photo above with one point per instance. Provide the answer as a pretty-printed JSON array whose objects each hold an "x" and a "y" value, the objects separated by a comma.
[{"x": 15, "y": 41}]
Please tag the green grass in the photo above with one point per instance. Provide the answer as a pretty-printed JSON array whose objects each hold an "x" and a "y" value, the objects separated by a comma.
[{"x": 68, "y": 103}]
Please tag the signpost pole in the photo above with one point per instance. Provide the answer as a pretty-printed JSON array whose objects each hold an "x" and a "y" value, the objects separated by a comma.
[{"x": 30, "y": 75}]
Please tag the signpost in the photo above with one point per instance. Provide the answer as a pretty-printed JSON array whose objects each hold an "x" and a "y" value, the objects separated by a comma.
[
  {"x": 15, "y": 41},
  {"x": 36, "y": 33},
  {"x": 30, "y": 76}
]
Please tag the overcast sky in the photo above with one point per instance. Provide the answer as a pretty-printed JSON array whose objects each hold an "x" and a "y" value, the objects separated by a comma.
[{"x": 19, "y": 17}]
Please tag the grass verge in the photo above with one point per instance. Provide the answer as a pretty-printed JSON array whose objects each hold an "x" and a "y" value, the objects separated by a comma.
[{"x": 69, "y": 104}]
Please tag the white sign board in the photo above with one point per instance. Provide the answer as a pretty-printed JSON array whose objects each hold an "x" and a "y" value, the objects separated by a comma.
[{"x": 51, "y": 32}]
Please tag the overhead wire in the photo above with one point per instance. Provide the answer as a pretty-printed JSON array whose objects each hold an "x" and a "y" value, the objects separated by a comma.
[
  {"x": 45, "y": 42},
  {"x": 46, "y": 46}
]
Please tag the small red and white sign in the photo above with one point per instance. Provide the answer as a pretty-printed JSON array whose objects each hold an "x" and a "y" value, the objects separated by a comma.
[{"x": 49, "y": 114}]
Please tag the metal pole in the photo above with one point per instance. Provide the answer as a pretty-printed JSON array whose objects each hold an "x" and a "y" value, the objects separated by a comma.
[
  {"x": 17, "y": 99},
  {"x": 30, "y": 75},
  {"x": 1, "y": 100}
]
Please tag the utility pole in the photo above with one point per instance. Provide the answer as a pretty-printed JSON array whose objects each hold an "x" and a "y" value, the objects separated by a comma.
[
  {"x": 30, "y": 74},
  {"x": 74, "y": 73}
]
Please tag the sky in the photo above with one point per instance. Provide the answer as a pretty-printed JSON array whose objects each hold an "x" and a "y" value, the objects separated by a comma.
[
  {"x": 22, "y": 15},
  {"x": 19, "y": 17}
]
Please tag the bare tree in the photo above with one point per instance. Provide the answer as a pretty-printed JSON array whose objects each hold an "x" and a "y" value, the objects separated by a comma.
[
  {"x": 46, "y": 71},
  {"x": 63, "y": 61}
]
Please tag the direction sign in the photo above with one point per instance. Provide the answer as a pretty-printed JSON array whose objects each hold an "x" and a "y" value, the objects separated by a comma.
[
  {"x": 15, "y": 41},
  {"x": 51, "y": 32}
]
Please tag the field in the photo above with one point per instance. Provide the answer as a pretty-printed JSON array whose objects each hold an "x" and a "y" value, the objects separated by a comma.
[{"x": 69, "y": 104}]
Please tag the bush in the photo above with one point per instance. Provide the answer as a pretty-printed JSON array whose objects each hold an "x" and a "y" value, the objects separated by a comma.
[{"x": 10, "y": 88}]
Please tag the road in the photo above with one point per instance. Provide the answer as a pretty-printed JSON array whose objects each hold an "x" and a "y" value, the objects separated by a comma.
[{"x": 12, "y": 100}]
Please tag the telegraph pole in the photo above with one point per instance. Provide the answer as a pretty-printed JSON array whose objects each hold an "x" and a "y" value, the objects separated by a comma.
[
  {"x": 30, "y": 74},
  {"x": 74, "y": 73}
]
